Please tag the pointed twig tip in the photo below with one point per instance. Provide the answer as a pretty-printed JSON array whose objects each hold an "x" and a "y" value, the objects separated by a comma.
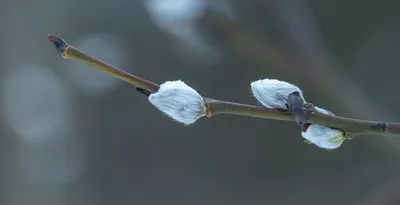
[
  {"x": 51, "y": 37},
  {"x": 59, "y": 44}
]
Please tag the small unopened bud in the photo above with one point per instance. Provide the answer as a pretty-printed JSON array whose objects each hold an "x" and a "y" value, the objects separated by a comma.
[
  {"x": 274, "y": 93},
  {"x": 296, "y": 107},
  {"x": 323, "y": 137},
  {"x": 179, "y": 101}
]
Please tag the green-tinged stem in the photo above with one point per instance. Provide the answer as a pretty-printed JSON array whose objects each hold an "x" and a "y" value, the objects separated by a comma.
[
  {"x": 223, "y": 107},
  {"x": 351, "y": 126},
  {"x": 75, "y": 54}
]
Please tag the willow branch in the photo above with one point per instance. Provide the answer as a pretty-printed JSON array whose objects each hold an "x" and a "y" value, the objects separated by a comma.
[{"x": 351, "y": 127}]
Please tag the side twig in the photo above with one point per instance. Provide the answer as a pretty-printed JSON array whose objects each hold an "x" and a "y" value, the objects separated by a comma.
[{"x": 351, "y": 127}]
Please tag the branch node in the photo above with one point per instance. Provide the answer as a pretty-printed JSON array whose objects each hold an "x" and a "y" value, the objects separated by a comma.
[
  {"x": 349, "y": 135},
  {"x": 382, "y": 126},
  {"x": 208, "y": 112},
  {"x": 297, "y": 110},
  {"x": 309, "y": 106}
]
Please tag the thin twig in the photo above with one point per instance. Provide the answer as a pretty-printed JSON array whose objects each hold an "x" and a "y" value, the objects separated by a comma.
[{"x": 351, "y": 127}]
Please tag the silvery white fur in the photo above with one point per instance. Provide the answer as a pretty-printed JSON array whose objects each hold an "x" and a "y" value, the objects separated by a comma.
[
  {"x": 323, "y": 137},
  {"x": 273, "y": 93},
  {"x": 179, "y": 101}
]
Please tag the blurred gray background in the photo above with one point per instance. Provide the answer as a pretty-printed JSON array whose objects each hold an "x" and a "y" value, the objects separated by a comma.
[{"x": 70, "y": 135}]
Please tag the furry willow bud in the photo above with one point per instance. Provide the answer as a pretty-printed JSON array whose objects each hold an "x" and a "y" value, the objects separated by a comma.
[
  {"x": 274, "y": 93},
  {"x": 323, "y": 137},
  {"x": 179, "y": 101}
]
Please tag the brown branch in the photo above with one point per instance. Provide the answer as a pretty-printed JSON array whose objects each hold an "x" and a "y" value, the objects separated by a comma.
[{"x": 351, "y": 127}]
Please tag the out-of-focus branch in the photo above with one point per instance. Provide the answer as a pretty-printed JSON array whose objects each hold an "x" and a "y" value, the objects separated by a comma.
[
  {"x": 296, "y": 17},
  {"x": 269, "y": 54}
]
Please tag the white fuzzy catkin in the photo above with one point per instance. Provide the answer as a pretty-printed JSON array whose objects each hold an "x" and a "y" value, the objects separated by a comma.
[
  {"x": 323, "y": 137},
  {"x": 273, "y": 93},
  {"x": 179, "y": 101}
]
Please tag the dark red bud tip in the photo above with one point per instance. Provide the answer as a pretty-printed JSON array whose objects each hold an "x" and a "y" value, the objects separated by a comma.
[
  {"x": 51, "y": 37},
  {"x": 59, "y": 43}
]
